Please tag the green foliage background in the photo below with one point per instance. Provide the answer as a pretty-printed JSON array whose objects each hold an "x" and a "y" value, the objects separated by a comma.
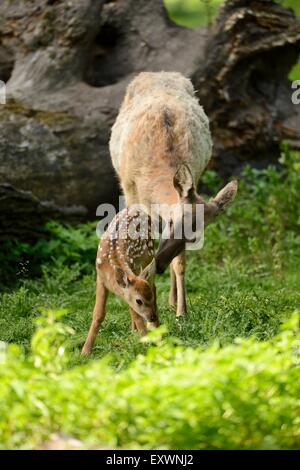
[
  {"x": 197, "y": 13},
  {"x": 227, "y": 380},
  {"x": 242, "y": 396},
  {"x": 225, "y": 377}
]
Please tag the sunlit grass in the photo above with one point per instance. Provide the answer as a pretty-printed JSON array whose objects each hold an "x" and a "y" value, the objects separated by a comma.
[
  {"x": 206, "y": 385},
  {"x": 243, "y": 282}
]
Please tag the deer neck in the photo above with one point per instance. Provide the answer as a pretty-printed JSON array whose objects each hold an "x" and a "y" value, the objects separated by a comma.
[{"x": 162, "y": 188}]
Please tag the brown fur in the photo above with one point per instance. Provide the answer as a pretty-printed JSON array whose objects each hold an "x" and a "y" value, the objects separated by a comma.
[
  {"x": 160, "y": 145},
  {"x": 125, "y": 266}
]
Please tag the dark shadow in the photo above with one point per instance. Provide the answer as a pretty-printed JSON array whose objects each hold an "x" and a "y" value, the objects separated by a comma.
[
  {"x": 6, "y": 63},
  {"x": 108, "y": 61}
]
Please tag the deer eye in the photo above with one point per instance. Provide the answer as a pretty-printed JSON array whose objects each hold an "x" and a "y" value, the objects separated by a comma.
[{"x": 139, "y": 301}]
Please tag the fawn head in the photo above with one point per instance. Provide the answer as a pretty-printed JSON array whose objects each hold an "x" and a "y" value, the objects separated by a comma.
[
  {"x": 189, "y": 199},
  {"x": 139, "y": 291}
]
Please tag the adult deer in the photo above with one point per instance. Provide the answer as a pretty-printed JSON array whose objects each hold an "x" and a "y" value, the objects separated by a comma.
[{"x": 160, "y": 145}]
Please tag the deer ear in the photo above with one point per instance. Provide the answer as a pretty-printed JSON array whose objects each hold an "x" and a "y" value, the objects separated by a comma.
[
  {"x": 184, "y": 184},
  {"x": 223, "y": 199},
  {"x": 122, "y": 278},
  {"x": 226, "y": 195},
  {"x": 149, "y": 271}
]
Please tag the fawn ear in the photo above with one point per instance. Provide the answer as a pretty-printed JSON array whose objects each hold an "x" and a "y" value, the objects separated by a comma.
[
  {"x": 122, "y": 278},
  {"x": 149, "y": 271},
  {"x": 184, "y": 184}
]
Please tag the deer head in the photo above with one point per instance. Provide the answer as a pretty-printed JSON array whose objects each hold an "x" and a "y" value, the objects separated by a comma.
[
  {"x": 139, "y": 291},
  {"x": 189, "y": 199}
]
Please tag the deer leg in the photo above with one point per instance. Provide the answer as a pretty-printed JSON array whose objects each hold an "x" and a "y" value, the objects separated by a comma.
[
  {"x": 133, "y": 325},
  {"x": 178, "y": 265},
  {"x": 173, "y": 288},
  {"x": 139, "y": 322},
  {"x": 98, "y": 316}
]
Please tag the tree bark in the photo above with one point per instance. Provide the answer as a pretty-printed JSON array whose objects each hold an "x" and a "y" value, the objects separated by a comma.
[
  {"x": 244, "y": 87},
  {"x": 23, "y": 215},
  {"x": 68, "y": 65}
]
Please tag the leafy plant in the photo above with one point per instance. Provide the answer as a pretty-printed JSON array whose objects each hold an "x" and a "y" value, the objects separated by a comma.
[
  {"x": 242, "y": 396},
  {"x": 206, "y": 389},
  {"x": 68, "y": 245},
  {"x": 62, "y": 245},
  {"x": 264, "y": 221}
]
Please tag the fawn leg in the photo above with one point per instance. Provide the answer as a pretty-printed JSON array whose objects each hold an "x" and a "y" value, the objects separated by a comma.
[
  {"x": 139, "y": 322},
  {"x": 133, "y": 325},
  {"x": 173, "y": 288},
  {"x": 98, "y": 316},
  {"x": 178, "y": 265}
]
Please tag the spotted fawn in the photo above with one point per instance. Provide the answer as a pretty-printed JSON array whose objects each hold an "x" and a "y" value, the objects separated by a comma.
[{"x": 125, "y": 265}]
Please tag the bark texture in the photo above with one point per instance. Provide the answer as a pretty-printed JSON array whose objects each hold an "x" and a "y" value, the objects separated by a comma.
[
  {"x": 243, "y": 83},
  {"x": 67, "y": 65}
]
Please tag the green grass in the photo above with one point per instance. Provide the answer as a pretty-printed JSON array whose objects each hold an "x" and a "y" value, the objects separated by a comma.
[
  {"x": 244, "y": 283},
  {"x": 241, "y": 396},
  {"x": 226, "y": 300},
  {"x": 223, "y": 377}
]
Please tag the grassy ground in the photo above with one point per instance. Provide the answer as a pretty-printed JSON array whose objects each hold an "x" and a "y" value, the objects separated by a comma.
[
  {"x": 211, "y": 387},
  {"x": 244, "y": 281},
  {"x": 226, "y": 299}
]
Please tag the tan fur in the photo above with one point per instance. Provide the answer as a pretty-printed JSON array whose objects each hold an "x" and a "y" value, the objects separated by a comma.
[
  {"x": 160, "y": 126},
  {"x": 160, "y": 145},
  {"x": 124, "y": 266}
]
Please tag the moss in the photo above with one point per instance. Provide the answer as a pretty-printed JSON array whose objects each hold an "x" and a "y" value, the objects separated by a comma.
[
  {"x": 50, "y": 118},
  {"x": 15, "y": 107}
]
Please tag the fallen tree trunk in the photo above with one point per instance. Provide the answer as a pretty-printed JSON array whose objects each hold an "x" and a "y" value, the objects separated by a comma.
[
  {"x": 23, "y": 215},
  {"x": 68, "y": 65},
  {"x": 243, "y": 83}
]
